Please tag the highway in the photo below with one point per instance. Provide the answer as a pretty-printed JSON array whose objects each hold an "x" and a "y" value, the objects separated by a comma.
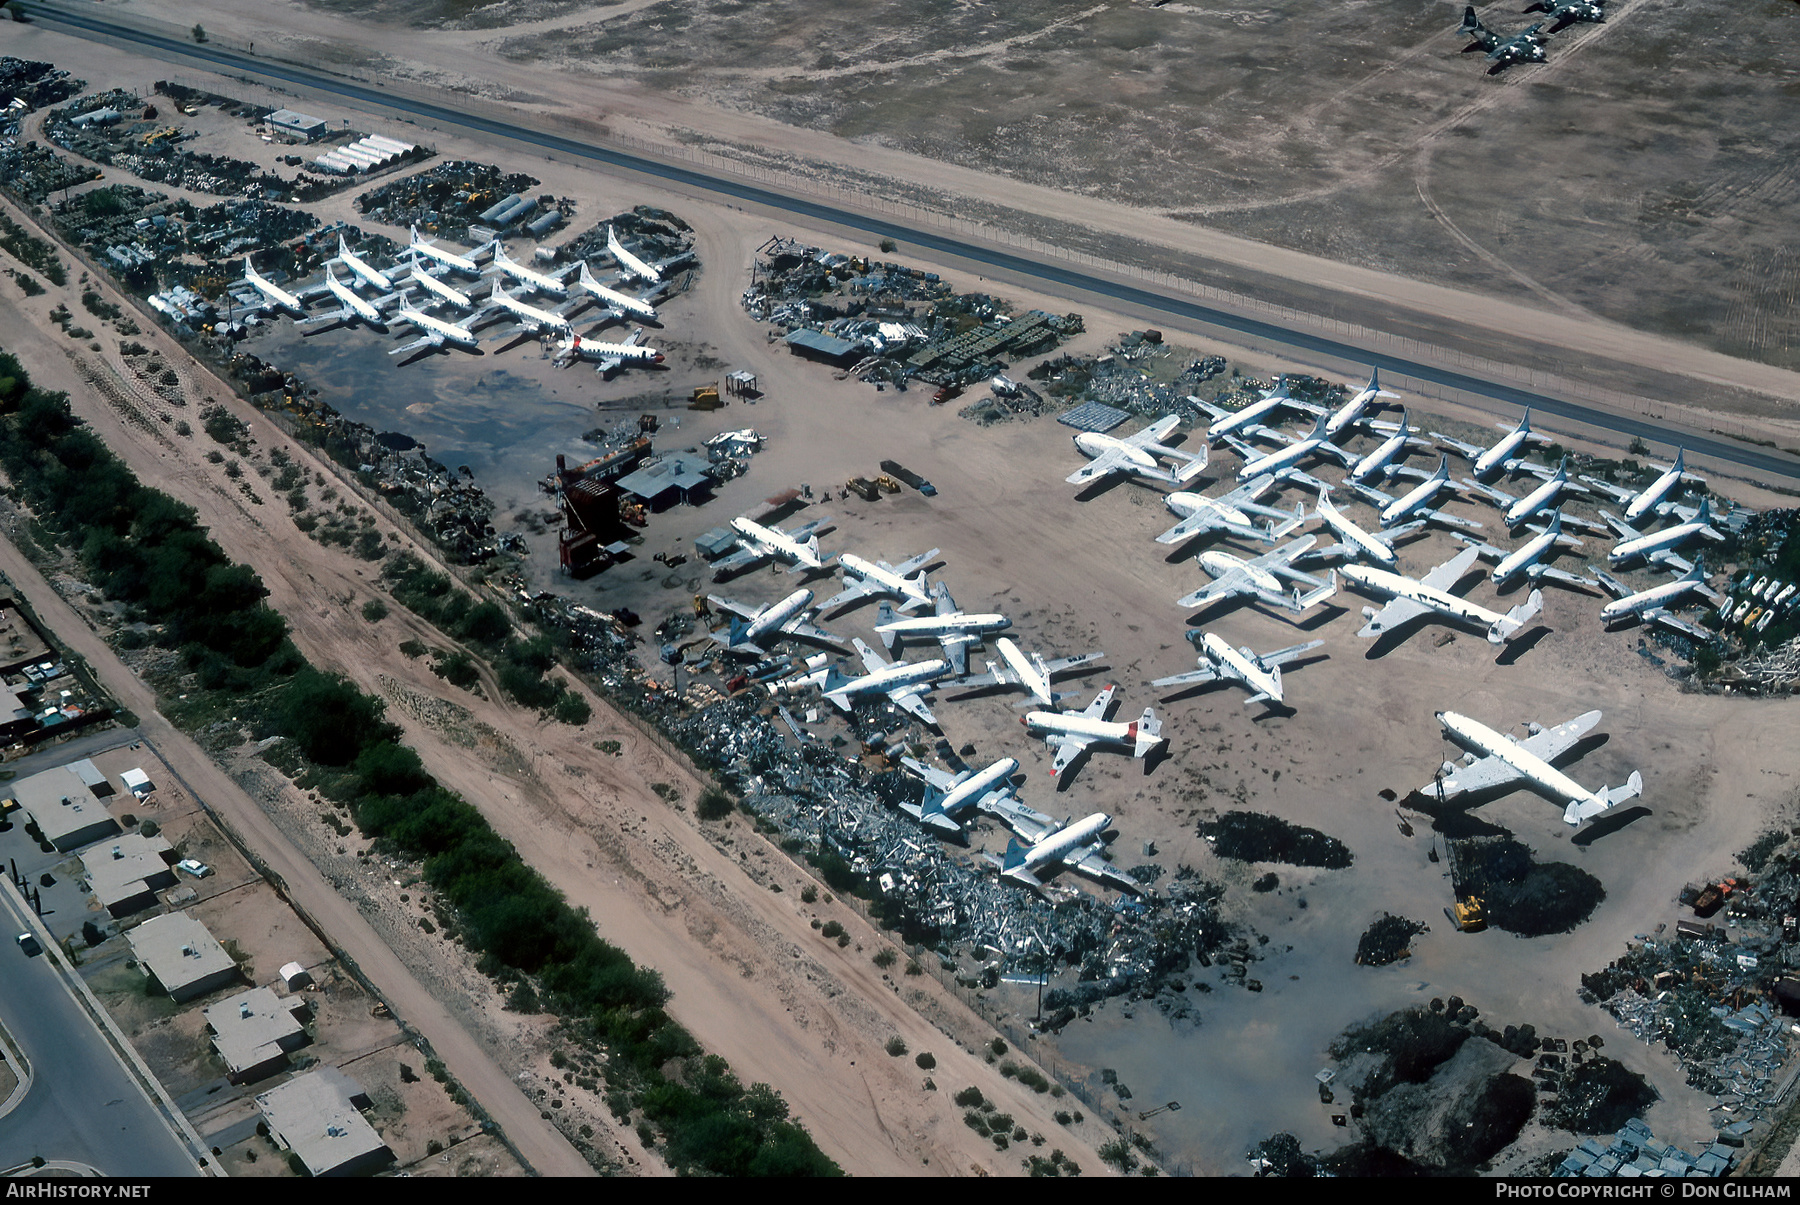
[{"x": 1772, "y": 465}]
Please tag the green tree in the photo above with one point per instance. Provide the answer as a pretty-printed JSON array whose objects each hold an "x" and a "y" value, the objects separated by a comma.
[{"x": 199, "y": 34}]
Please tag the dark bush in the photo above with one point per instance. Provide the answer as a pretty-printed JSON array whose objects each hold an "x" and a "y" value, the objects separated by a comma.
[{"x": 1254, "y": 837}]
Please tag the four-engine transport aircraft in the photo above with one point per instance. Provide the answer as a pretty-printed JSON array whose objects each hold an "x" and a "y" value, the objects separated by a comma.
[
  {"x": 905, "y": 582},
  {"x": 434, "y": 332},
  {"x": 1487, "y": 460},
  {"x": 1504, "y": 761},
  {"x": 1652, "y": 605},
  {"x": 905, "y": 683},
  {"x": 799, "y": 547},
  {"x": 1526, "y": 46},
  {"x": 757, "y": 628},
  {"x": 1408, "y": 599},
  {"x": 361, "y": 268},
  {"x": 1564, "y": 13},
  {"x": 274, "y": 296},
  {"x": 1657, "y": 547},
  {"x": 608, "y": 357},
  {"x": 1260, "y": 577},
  {"x": 1078, "y": 846},
  {"x": 1071, "y": 734},
  {"x": 1136, "y": 454},
  {"x": 420, "y": 248},
  {"x": 619, "y": 303},
  {"x": 1229, "y": 513},
  {"x": 1018, "y": 668},
  {"x": 954, "y": 628},
  {"x": 1259, "y": 672},
  {"x": 628, "y": 263},
  {"x": 948, "y": 796}
]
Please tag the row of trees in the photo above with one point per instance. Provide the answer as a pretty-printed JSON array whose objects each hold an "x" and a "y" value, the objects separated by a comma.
[{"x": 148, "y": 551}]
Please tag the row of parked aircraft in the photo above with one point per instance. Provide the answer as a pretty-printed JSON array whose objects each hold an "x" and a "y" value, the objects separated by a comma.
[
  {"x": 428, "y": 285},
  {"x": 1275, "y": 578},
  {"x": 1526, "y": 46}
]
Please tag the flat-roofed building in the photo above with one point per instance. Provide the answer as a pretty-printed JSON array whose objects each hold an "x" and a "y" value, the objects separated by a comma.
[
  {"x": 182, "y": 955},
  {"x": 316, "y": 1116},
  {"x": 286, "y": 123},
  {"x": 65, "y": 804},
  {"x": 125, "y": 874},
  {"x": 253, "y": 1032}
]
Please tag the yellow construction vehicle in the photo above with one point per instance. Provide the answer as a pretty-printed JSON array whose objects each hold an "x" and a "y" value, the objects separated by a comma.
[
  {"x": 1469, "y": 914},
  {"x": 888, "y": 484}
]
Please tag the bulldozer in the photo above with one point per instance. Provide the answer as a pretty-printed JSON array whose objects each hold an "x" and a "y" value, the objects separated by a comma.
[{"x": 1468, "y": 914}]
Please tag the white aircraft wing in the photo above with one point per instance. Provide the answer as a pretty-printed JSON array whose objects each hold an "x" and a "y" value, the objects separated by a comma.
[
  {"x": 1068, "y": 747},
  {"x": 1097, "y": 709},
  {"x": 1483, "y": 774},
  {"x": 1153, "y": 434},
  {"x": 1109, "y": 461},
  {"x": 806, "y": 630},
  {"x": 429, "y": 339},
  {"x": 1552, "y": 743},
  {"x": 1675, "y": 623},
  {"x": 748, "y": 553},
  {"x": 1397, "y": 612},
  {"x": 732, "y": 605},
  {"x": 911, "y": 699},
  {"x": 1282, "y": 656},
  {"x": 806, "y": 530},
  {"x": 956, "y": 650},
  {"x": 939, "y": 780},
  {"x": 1451, "y": 571},
  {"x": 872, "y": 660},
  {"x": 1031, "y": 826},
  {"x": 1468, "y": 451},
  {"x": 854, "y": 588},
  {"x": 1617, "y": 493},
  {"x": 1089, "y": 861},
  {"x": 1231, "y": 585},
  {"x": 1208, "y": 672}
]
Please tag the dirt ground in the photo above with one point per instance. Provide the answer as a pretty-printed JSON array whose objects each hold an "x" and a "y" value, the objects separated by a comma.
[{"x": 750, "y": 978}]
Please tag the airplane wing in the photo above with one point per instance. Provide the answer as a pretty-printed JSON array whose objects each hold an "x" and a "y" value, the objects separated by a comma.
[
  {"x": 910, "y": 565},
  {"x": 1451, "y": 571},
  {"x": 1097, "y": 709},
  {"x": 1481, "y": 775},
  {"x": 1232, "y": 584},
  {"x": 807, "y": 530},
  {"x": 1062, "y": 664},
  {"x": 1030, "y": 825},
  {"x": 1617, "y": 493},
  {"x": 1110, "y": 461},
  {"x": 1068, "y": 747},
  {"x": 1552, "y": 743},
  {"x": 429, "y": 340},
  {"x": 911, "y": 699},
  {"x": 799, "y": 626},
  {"x": 747, "y": 554},
  {"x": 939, "y": 780},
  {"x": 1672, "y": 621},
  {"x": 956, "y": 650},
  {"x": 1208, "y": 672},
  {"x": 854, "y": 588},
  {"x": 1153, "y": 434},
  {"x": 1090, "y": 862},
  {"x": 1668, "y": 559},
  {"x": 1467, "y": 450},
  {"x": 732, "y": 605},
  {"x": 1397, "y": 612},
  {"x": 1283, "y": 656},
  {"x": 871, "y": 659}
]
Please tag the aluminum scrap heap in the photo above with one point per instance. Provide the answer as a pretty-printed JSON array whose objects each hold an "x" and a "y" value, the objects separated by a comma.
[
  {"x": 904, "y": 324},
  {"x": 444, "y": 199},
  {"x": 650, "y": 233},
  {"x": 26, "y": 85}
]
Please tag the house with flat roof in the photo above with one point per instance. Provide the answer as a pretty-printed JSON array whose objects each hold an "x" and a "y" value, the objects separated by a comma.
[
  {"x": 253, "y": 1032},
  {"x": 183, "y": 956},
  {"x": 65, "y": 804},
  {"x": 125, "y": 874},
  {"x": 317, "y": 1116},
  {"x": 286, "y": 123}
]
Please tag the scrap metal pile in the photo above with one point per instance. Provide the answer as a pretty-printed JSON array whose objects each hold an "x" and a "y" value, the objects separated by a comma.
[
  {"x": 905, "y": 323},
  {"x": 443, "y": 200},
  {"x": 34, "y": 172},
  {"x": 27, "y": 85},
  {"x": 654, "y": 234},
  {"x": 132, "y": 138}
]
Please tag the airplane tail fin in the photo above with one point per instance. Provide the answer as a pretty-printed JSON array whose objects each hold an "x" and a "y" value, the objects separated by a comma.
[
  {"x": 884, "y": 615},
  {"x": 1508, "y": 626},
  {"x": 1471, "y": 24},
  {"x": 1147, "y": 733},
  {"x": 1014, "y": 857},
  {"x": 1375, "y": 384},
  {"x": 1610, "y": 798},
  {"x": 1303, "y": 602},
  {"x": 1275, "y": 533}
]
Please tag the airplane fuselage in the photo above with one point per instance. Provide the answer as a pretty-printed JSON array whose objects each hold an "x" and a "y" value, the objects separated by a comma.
[
  {"x": 590, "y": 349},
  {"x": 1260, "y": 680},
  {"x": 1441, "y": 601},
  {"x": 1280, "y": 459},
  {"x": 1376, "y": 550},
  {"x": 1417, "y": 499},
  {"x": 449, "y": 331},
  {"x": 615, "y": 299},
  {"x": 277, "y": 297},
  {"x": 628, "y": 262},
  {"x": 449, "y": 259},
  {"x": 1653, "y": 495},
  {"x": 352, "y": 302},
  {"x": 776, "y": 543},
  {"x": 537, "y": 280},
  {"x": 1052, "y": 847},
  {"x": 1030, "y": 676},
  {"x": 1243, "y": 418},
  {"x": 1218, "y": 564},
  {"x": 362, "y": 269},
  {"x": 1502, "y": 451},
  {"x": 913, "y": 592},
  {"x": 1094, "y": 445},
  {"x": 970, "y": 789},
  {"x": 945, "y": 625},
  {"x": 774, "y": 616},
  {"x": 1188, "y": 504},
  {"x": 1656, "y": 541},
  {"x": 530, "y": 314},
  {"x": 1523, "y": 557},
  {"x": 889, "y": 678},
  {"x": 454, "y": 296},
  {"x": 1644, "y": 600},
  {"x": 1381, "y": 457},
  {"x": 1054, "y": 723}
]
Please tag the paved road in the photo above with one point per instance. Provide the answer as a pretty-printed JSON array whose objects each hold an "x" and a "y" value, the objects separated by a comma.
[
  {"x": 1770, "y": 464},
  {"x": 83, "y": 1105}
]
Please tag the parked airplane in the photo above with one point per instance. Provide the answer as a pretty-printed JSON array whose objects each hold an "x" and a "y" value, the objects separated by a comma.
[
  {"x": 628, "y": 263},
  {"x": 756, "y": 628},
  {"x": 1505, "y": 761},
  {"x": 799, "y": 547},
  {"x": 1430, "y": 595},
  {"x": 1655, "y": 496},
  {"x": 434, "y": 332},
  {"x": 1526, "y": 559},
  {"x": 506, "y": 265},
  {"x": 1564, "y": 13},
  {"x": 1354, "y": 542},
  {"x": 1351, "y": 412},
  {"x": 1526, "y": 46},
  {"x": 1657, "y": 547},
  {"x": 1071, "y": 734},
  {"x": 947, "y": 796},
  {"x": 1417, "y": 501},
  {"x": 440, "y": 290},
  {"x": 274, "y": 296},
  {"x": 619, "y": 303},
  {"x": 954, "y": 629},
  {"x": 863, "y": 579},
  {"x": 1260, "y": 672},
  {"x": 1248, "y": 421},
  {"x": 1316, "y": 443},
  {"x": 351, "y": 307},
  {"x": 1652, "y": 605},
  {"x": 360, "y": 268},
  {"x": 1391, "y": 449},
  {"x": 421, "y": 247},
  {"x": 1028, "y": 670},
  {"x": 1229, "y": 513},
  {"x": 904, "y": 683},
  {"x": 1260, "y": 577},
  {"x": 1538, "y": 500},
  {"x": 1077, "y": 846},
  {"x": 1486, "y": 460},
  {"x": 530, "y": 318},
  {"x": 607, "y": 357},
  {"x": 1136, "y": 454}
]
